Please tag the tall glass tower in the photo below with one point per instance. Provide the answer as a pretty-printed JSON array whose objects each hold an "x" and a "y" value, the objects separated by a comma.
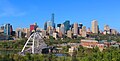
[
  {"x": 52, "y": 19},
  {"x": 67, "y": 25}
]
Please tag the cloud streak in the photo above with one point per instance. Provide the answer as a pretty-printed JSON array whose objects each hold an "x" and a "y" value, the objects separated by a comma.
[{"x": 7, "y": 9}]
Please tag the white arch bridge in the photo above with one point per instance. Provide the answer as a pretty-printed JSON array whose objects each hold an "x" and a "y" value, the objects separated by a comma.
[{"x": 34, "y": 44}]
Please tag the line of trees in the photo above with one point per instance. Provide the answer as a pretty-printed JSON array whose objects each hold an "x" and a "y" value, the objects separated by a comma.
[{"x": 83, "y": 54}]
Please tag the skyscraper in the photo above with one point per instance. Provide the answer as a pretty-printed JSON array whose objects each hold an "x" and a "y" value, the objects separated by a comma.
[
  {"x": 106, "y": 28},
  {"x": 18, "y": 32},
  {"x": 95, "y": 26},
  {"x": 75, "y": 28},
  {"x": 84, "y": 31},
  {"x": 67, "y": 25},
  {"x": 80, "y": 25},
  {"x": 69, "y": 33},
  {"x": 80, "y": 28},
  {"x": 33, "y": 27},
  {"x": 7, "y": 29},
  {"x": 52, "y": 20},
  {"x": 62, "y": 28},
  {"x": 58, "y": 25},
  {"x": 49, "y": 24},
  {"x": 45, "y": 26}
]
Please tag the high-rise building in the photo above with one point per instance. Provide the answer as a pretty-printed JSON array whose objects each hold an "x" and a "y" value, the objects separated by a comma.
[
  {"x": 80, "y": 28},
  {"x": 72, "y": 26},
  {"x": 58, "y": 29},
  {"x": 80, "y": 31},
  {"x": 88, "y": 31},
  {"x": 45, "y": 26},
  {"x": 49, "y": 23},
  {"x": 84, "y": 31},
  {"x": 19, "y": 33},
  {"x": 80, "y": 25},
  {"x": 33, "y": 27},
  {"x": 69, "y": 33},
  {"x": 67, "y": 25},
  {"x": 50, "y": 30},
  {"x": 7, "y": 29},
  {"x": 106, "y": 28},
  {"x": 52, "y": 20},
  {"x": 11, "y": 29},
  {"x": 75, "y": 28},
  {"x": 58, "y": 25},
  {"x": 95, "y": 27},
  {"x": 2, "y": 29},
  {"x": 62, "y": 28},
  {"x": 27, "y": 32}
]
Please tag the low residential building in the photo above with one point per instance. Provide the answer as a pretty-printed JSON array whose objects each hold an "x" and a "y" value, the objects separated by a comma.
[{"x": 89, "y": 43}]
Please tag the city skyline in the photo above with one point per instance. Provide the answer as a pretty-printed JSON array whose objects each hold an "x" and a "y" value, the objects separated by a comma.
[{"x": 18, "y": 13}]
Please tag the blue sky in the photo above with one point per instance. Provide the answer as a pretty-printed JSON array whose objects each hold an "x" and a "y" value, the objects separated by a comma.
[{"x": 22, "y": 13}]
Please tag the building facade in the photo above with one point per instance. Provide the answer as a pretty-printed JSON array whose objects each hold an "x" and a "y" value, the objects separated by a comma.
[
  {"x": 75, "y": 29},
  {"x": 95, "y": 26},
  {"x": 7, "y": 29}
]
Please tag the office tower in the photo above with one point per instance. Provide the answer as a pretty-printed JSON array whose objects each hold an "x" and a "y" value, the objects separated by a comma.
[
  {"x": 19, "y": 33},
  {"x": 80, "y": 25},
  {"x": 75, "y": 29},
  {"x": 62, "y": 28},
  {"x": 69, "y": 33},
  {"x": 50, "y": 30},
  {"x": 1, "y": 29},
  {"x": 45, "y": 26},
  {"x": 94, "y": 26},
  {"x": 49, "y": 23},
  {"x": 27, "y": 32},
  {"x": 106, "y": 28},
  {"x": 7, "y": 29},
  {"x": 72, "y": 26},
  {"x": 67, "y": 25},
  {"x": 58, "y": 29},
  {"x": 52, "y": 20},
  {"x": 11, "y": 29},
  {"x": 72, "y": 30},
  {"x": 58, "y": 25},
  {"x": 84, "y": 31},
  {"x": 80, "y": 28},
  {"x": 88, "y": 31},
  {"x": 33, "y": 27}
]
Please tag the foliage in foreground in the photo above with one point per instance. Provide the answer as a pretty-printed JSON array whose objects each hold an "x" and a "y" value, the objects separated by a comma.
[{"x": 83, "y": 54}]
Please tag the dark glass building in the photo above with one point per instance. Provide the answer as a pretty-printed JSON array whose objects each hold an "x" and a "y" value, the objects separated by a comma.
[
  {"x": 7, "y": 29},
  {"x": 80, "y": 25},
  {"x": 58, "y": 25},
  {"x": 45, "y": 26},
  {"x": 52, "y": 19},
  {"x": 67, "y": 25}
]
